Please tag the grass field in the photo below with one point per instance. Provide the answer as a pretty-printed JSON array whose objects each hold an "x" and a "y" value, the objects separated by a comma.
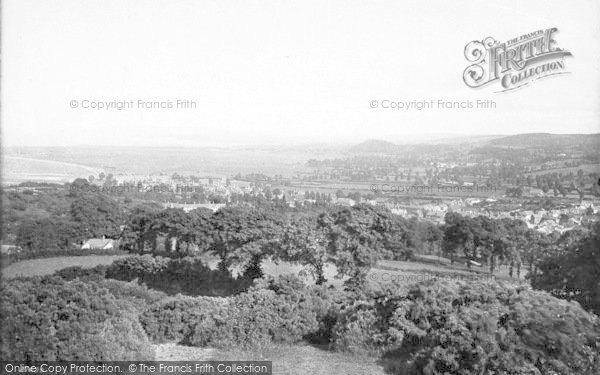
[
  {"x": 386, "y": 271},
  {"x": 20, "y": 169},
  {"x": 47, "y": 266}
]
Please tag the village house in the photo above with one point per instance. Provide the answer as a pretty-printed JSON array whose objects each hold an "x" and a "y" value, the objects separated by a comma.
[{"x": 100, "y": 244}]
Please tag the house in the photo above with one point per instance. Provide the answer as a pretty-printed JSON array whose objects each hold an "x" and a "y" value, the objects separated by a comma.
[
  {"x": 345, "y": 202},
  {"x": 187, "y": 207},
  {"x": 100, "y": 244}
]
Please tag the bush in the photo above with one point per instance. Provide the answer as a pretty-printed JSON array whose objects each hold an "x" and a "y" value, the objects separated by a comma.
[
  {"x": 325, "y": 303},
  {"x": 255, "y": 318},
  {"x": 78, "y": 272},
  {"x": 460, "y": 328},
  {"x": 174, "y": 319},
  {"x": 136, "y": 296},
  {"x": 274, "y": 310},
  {"x": 50, "y": 319}
]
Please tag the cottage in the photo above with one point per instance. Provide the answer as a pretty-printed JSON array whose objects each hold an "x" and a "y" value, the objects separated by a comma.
[{"x": 99, "y": 244}]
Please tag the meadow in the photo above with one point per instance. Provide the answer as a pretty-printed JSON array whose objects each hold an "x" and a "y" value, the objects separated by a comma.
[
  {"x": 20, "y": 169},
  {"x": 385, "y": 271},
  {"x": 47, "y": 266}
]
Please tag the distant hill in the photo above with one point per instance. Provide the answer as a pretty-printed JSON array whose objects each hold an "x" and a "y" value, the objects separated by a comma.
[
  {"x": 538, "y": 140},
  {"x": 547, "y": 140},
  {"x": 375, "y": 146}
]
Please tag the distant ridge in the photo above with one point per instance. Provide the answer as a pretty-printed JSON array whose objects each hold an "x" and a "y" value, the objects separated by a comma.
[{"x": 547, "y": 140}]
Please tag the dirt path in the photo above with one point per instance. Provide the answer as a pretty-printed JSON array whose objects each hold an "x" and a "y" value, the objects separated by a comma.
[
  {"x": 174, "y": 352},
  {"x": 300, "y": 359}
]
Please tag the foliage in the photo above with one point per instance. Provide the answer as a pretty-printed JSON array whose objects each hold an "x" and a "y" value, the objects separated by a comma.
[
  {"x": 176, "y": 275},
  {"x": 274, "y": 310},
  {"x": 573, "y": 274},
  {"x": 50, "y": 319},
  {"x": 304, "y": 241},
  {"x": 97, "y": 214},
  {"x": 356, "y": 239},
  {"x": 443, "y": 327},
  {"x": 482, "y": 237},
  {"x": 77, "y": 272}
]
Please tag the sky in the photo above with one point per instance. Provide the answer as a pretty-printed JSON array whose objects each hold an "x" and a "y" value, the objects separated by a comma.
[{"x": 280, "y": 72}]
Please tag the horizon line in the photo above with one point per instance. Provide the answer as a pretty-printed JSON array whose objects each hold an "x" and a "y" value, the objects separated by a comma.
[{"x": 442, "y": 137}]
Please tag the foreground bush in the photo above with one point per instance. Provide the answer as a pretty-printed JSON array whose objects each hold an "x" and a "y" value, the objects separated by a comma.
[
  {"x": 137, "y": 296},
  {"x": 275, "y": 310},
  {"x": 50, "y": 319},
  {"x": 444, "y": 327}
]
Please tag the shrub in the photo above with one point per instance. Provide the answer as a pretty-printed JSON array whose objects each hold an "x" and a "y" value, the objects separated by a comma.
[
  {"x": 274, "y": 310},
  {"x": 77, "y": 272},
  {"x": 136, "y": 296},
  {"x": 325, "y": 303},
  {"x": 460, "y": 328},
  {"x": 174, "y": 319},
  {"x": 255, "y": 318},
  {"x": 50, "y": 319}
]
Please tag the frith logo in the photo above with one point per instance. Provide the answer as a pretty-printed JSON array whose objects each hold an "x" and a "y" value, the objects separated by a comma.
[{"x": 515, "y": 63}]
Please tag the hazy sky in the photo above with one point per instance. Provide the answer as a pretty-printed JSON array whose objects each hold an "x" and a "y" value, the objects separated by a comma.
[{"x": 280, "y": 71}]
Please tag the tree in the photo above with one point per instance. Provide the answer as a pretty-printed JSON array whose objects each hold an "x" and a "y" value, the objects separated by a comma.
[
  {"x": 458, "y": 235},
  {"x": 37, "y": 235},
  {"x": 98, "y": 214},
  {"x": 78, "y": 187},
  {"x": 304, "y": 241},
  {"x": 243, "y": 235},
  {"x": 140, "y": 233},
  {"x": 355, "y": 240}
]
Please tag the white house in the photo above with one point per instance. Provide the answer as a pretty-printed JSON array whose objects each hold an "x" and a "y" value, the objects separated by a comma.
[{"x": 100, "y": 244}]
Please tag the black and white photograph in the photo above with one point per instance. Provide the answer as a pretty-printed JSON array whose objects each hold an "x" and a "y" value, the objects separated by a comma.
[{"x": 300, "y": 187}]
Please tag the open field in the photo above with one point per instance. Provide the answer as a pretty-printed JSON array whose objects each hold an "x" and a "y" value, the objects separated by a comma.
[
  {"x": 47, "y": 266},
  {"x": 207, "y": 160},
  {"x": 19, "y": 169}
]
